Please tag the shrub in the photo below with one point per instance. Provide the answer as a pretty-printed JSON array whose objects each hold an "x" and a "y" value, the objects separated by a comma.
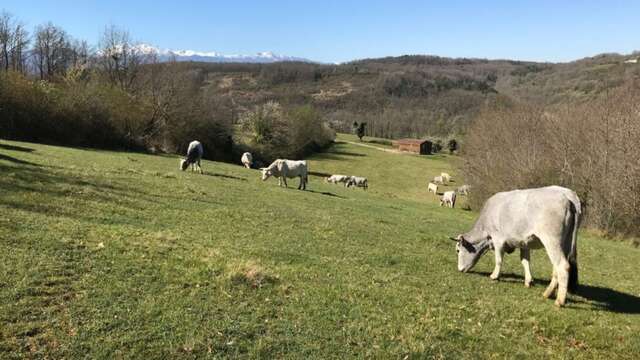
[
  {"x": 271, "y": 132},
  {"x": 590, "y": 148}
]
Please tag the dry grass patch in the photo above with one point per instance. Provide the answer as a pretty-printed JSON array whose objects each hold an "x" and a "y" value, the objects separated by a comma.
[{"x": 251, "y": 274}]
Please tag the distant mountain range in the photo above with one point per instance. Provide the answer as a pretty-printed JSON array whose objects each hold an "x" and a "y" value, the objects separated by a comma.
[{"x": 215, "y": 57}]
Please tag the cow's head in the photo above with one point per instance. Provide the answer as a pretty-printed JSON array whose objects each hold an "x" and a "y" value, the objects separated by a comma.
[
  {"x": 470, "y": 252},
  {"x": 184, "y": 164},
  {"x": 266, "y": 173}
]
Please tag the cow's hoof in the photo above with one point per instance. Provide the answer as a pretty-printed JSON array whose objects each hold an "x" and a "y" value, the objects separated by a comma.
[
  {"x": 528, "y": 284},
  {"x": 559, "y": 303},
  {"x": 547, "y": 295},
  {"x": 494, "y": 277}
]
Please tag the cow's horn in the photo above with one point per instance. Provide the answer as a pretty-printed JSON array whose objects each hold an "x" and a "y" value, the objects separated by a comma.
[{"x": 452, "y": 238}]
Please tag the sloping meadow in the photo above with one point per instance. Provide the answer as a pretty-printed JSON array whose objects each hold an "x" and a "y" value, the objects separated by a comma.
[{"x": 109, "y": 254}]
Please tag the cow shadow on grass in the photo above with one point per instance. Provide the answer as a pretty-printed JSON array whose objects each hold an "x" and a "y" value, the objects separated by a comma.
[
  {"x": 600, "y": 298},
  {"x": 326, "y": 193},
  {"x": 224, "y": 176},
  {"x": 318, "y": 173},
  {"x": 609, "y": 299}
]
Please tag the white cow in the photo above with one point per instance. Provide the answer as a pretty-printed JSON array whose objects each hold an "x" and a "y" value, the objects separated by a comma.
[
  {"x": 194, "y": 155},
  {"x": 448, "y": 199},
  {"x": 335, "y": 179},
  {"x": 432, "y": 188},
  {"x": 247, "y": 160},
  {"x": 283, "y": 169},
  {"x": 358, "y": 181},
  {"x": 445, "y": 177},
  {"x": 546, "y": 217},
  {"x": 438, "y": 180}
]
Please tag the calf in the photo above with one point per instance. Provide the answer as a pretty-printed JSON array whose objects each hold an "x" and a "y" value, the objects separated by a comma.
[
  {"x": 358, "y": 181},
  {"x": 335, "y": 179}
]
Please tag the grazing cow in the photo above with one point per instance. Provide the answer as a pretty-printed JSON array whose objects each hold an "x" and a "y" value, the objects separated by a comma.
[
  {"x": 432, "y": 187},
  {"x": 546, "y": 217},
  {"x": 247, "y": 160},
  {"x": 334, "y": 179},
  {"x": 358, "y": 181},
  {"x": 438, "y": 180},
  {"x": 448, "y": 199},
  {"x": 194, "y": 155},
  {"x": 445, "y": 177},
  {"x": 283, "y": 169},
  {"x": 464, "y": 190}
]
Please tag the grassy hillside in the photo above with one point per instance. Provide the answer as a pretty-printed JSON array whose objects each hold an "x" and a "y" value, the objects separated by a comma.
[{"x": 120, "y": 255}]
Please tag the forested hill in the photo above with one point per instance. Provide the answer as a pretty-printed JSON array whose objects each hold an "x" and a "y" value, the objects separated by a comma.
[{"x": 414, "y": 95}]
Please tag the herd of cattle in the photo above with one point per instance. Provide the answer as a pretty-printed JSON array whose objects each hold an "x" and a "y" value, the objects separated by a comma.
[
  {"x": 528, "y": 219},
  {"x": 448, "y": 197}
]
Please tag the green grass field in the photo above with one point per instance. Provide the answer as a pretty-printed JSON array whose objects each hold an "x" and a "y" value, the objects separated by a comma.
[{"x": 120, "y": 255}]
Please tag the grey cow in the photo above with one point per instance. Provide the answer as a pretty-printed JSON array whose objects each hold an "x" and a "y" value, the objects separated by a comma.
[{"x": 546, "y": 217}]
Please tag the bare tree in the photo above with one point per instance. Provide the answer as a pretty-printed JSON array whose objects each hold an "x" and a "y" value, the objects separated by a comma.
[
  {"x": 51, "y": 51},
  {"x": 6, "y": 36},
  {"x": 13, "y": 41},
  {"x": 120, "y": 59},
  {"x": 18, "y": 48}
]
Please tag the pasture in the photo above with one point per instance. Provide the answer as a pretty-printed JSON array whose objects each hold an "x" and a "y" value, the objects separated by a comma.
[{"x": 120, "y": 255}]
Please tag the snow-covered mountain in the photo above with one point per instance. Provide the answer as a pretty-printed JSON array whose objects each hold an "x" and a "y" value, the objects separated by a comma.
[{"x": 212, "y": 56}]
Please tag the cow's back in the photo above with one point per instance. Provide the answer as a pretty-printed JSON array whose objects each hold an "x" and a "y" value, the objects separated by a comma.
[{"x": 521, "y": 213}]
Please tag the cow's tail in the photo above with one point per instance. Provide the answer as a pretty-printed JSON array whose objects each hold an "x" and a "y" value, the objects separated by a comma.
[{"x": 573, "y": 252}]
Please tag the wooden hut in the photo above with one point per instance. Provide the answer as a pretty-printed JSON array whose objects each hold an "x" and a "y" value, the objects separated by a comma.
[{"x": 417, "y": 146}]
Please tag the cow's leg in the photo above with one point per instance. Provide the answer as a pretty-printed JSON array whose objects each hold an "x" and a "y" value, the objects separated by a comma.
[
  {"x": 561, "y": 269},
  {"x": 524, "y": 259},
  {"x": 284, "y": 180},
  {"x": 300, "y": 185},
  {"x": 552, "y": 285},
  {"x": 563, "y": 281},
  {"x": 199, "y": 166},
  {"x": 499, "y": 251}
]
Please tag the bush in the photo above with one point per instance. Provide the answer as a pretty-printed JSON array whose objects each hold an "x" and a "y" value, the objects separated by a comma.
[
  {"x": 75, "y": 114},
  {"x": 92, "y": 113},
  {"x": 271, "y": 132}
]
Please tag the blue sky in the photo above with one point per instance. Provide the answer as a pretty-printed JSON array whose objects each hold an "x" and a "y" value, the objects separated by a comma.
[{"x": 336, "y": 31}]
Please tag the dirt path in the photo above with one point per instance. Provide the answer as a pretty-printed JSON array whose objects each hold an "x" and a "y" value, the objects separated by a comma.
[{"x": 394, "y": 151}]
